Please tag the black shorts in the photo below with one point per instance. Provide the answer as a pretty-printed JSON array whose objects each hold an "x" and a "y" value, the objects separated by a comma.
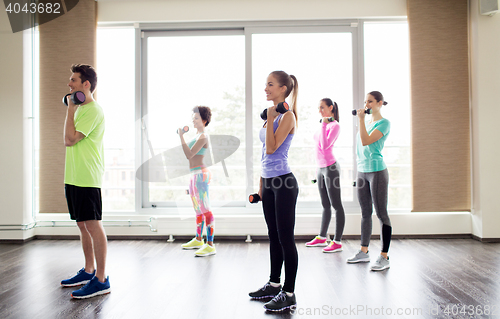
[{"x": 84, "y": 203}]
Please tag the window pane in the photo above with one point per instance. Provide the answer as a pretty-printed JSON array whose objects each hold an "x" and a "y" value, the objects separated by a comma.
[
  {"x": 387, "y": 70},
  {"x": 188, "y": 71},
  {"x": 116, "y": 94},
  {"x": 322, "y": 63}
]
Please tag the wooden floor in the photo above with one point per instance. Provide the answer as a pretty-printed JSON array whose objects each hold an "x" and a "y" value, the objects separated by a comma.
[{"x": 428, "y": 278}]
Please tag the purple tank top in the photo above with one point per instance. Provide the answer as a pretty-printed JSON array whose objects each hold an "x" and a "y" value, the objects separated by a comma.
[{"x": 275, "y": 164}]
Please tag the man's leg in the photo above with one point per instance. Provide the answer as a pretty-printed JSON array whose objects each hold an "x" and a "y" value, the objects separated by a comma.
[
  {"x": 88, "y": 249},
  {"x": 100, "y": 244}
]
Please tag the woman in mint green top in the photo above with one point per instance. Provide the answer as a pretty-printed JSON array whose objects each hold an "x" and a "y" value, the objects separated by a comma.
[
  {"x": 200, "y": 180},
  {"x": 373, "y": 179}
]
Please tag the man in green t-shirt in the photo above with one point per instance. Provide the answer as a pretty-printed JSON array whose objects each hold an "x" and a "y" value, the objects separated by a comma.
[{"x": 83, "y": 138}]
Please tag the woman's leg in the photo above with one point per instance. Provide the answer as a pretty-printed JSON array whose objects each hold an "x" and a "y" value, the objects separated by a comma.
[
  {"x": 275, "y": 251},
  {"x": 365, "y": 201},
  {"x": 379, "y": 189},
  {"x": 203, "y": 186},
  {"x": 209, "y": 217},
  {"x": 195, "y": 198},
  {"x": 285, "y": 201},
  {"x": 325, "y": 201},
  {"x": 333, "y": 189}
]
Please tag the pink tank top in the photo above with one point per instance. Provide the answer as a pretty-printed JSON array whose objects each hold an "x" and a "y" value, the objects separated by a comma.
[{"x": 325, "y": 137}]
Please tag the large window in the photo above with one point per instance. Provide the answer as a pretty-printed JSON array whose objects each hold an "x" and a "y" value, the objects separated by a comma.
[
  {"x": 322, "y": 64},
  {"x": 185, "y": 70},
  {"x": 387, "y": 70},
  {"x": 115, "y": 68},
  {"x": 226, "y": 68}
]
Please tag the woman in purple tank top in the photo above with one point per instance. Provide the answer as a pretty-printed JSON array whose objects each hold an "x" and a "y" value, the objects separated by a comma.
[{"x": 279, "y": 190}]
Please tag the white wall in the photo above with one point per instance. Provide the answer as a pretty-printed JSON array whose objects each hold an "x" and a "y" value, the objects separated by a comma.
[
  {"x": 485, "y": 83},
  {"x": 231, "y": 10},
  {"x": 15, "y": 139}
]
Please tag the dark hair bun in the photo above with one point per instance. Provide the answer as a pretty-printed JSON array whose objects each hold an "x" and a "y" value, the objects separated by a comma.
[{"x": 385, "y": 103}]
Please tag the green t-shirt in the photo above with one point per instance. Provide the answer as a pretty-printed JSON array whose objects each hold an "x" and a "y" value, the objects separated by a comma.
[
  {"x": 85, "y": 159},
  {"x": 369, "y": 157}
]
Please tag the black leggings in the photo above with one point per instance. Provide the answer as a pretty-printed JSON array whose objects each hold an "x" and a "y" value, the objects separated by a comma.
[{"x": 279, "y": 196}]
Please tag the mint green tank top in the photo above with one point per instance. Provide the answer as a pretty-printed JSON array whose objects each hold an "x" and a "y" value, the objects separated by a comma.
[{"x": 193, "y": 141}]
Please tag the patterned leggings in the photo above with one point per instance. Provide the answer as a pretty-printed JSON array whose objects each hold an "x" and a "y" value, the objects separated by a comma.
[{"x": 198, "y": 190}]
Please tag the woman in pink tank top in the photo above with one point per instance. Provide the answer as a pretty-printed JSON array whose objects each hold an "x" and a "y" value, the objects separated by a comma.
[{"x": 328, "y": 179}]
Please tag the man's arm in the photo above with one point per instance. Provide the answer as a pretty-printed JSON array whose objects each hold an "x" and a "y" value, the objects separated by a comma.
[{"x": 71, "y": 136}]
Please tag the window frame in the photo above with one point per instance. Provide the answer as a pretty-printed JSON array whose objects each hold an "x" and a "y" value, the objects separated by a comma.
[
  {"x": 143, "y": 148},
  {"x": 352, "y": 28},
  {"x": 145, "y": 30}
]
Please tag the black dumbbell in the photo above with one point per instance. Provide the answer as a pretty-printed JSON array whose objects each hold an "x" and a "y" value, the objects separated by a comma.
[
  {"x": 254, "y": 198},
  {"x": 185, "y": 129},
  {"x": 282, "y": 108},
  {"x": 367, "y": 111},
  {"x": 77, "y": 98},
  {"x": 330, "y": 119}
]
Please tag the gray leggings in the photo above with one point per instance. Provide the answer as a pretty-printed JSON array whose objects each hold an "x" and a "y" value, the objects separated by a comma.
[
  {"x": 372, "y": 189},
  {"x": 329, "y": 191}
]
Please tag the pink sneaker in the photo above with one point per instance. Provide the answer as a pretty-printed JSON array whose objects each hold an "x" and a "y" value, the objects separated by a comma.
[
  {"x": 316, "y": 242},
  {"x": 333, "y": 248}
]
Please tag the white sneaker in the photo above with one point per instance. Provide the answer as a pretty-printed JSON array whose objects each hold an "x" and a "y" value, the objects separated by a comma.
[
  {"x": 360, "y": 257},
  {"x": 380, "y": 264}
]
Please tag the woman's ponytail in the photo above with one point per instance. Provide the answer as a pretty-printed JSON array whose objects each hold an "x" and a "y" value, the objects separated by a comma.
[
  {"x": 290, "y": 81},
  {"x": 295, "y": 93}
]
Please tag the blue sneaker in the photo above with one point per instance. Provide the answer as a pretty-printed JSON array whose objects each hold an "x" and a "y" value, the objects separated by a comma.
[
  {"x": 92, "y": 289},
  {"x": 81, "y": 278}
]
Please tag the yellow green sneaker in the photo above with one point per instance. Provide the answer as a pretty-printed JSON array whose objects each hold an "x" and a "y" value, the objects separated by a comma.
[
  {"x": 193, "y": 244},
  {"x": 206, "y": 250}
]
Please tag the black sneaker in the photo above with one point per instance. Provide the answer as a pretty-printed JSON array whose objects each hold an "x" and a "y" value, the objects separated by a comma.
[
  {"x": 281, "y": 302},
  {"x": 268, "y": 291}
]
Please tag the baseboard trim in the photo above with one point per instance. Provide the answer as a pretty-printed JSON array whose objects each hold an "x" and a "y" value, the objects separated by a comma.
[
  {"x": 432, "y": 236},
  {"x": 486, "y": 240},
  {"x": 255, "y": 238},
  {"x": 58, "y": 237},
  {"x": 17, "y": 241}
]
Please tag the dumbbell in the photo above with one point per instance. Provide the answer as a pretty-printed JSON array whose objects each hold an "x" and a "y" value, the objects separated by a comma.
[
  {"x": 77, "y": 98},
  {"x": 282, "y": 108},
  {"x": 367, "y": 111},
  {"x": 254, "y": 198},
  {"x": 185, "y": 129},
  {"x": 330, "y": 119}
]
